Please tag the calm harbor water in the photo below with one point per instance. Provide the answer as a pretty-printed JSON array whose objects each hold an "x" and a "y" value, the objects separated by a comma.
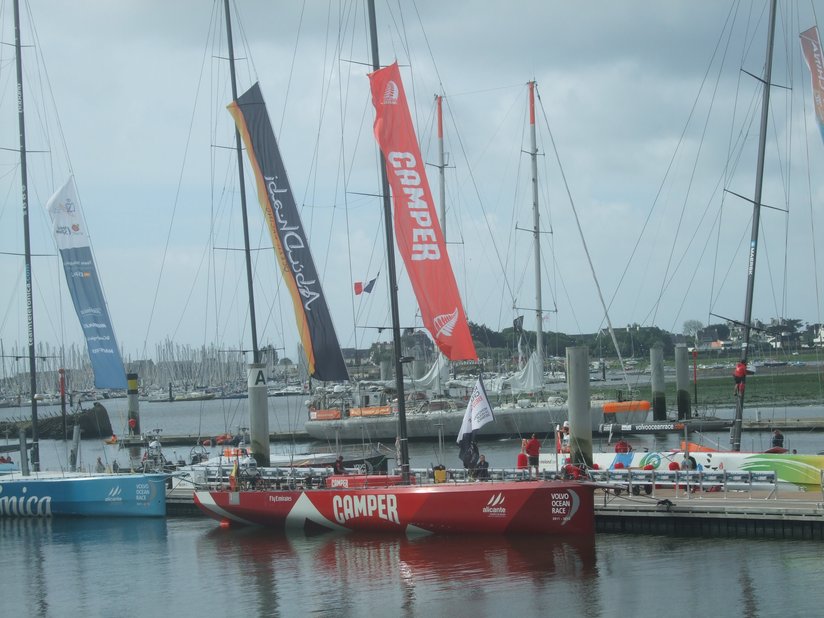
[{"x": 190, "y": 566}]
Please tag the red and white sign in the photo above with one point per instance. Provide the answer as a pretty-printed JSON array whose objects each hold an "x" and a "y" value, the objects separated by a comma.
[{"x": 417, "y": 230}]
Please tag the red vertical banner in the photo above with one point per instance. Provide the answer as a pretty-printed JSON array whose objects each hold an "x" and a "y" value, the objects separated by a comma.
[
  {"x": 417, "y": 230},
  {"x": 811, "y": 46}
]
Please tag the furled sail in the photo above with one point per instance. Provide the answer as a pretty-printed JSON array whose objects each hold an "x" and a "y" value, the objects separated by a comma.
[
  {"x": 530, "y": 379},
  {"x": 417, "y": 230},
  {"x": 811, "y": 46},
  {"x": 315, "y": 327},
  {"x": 84, "y": 287}
]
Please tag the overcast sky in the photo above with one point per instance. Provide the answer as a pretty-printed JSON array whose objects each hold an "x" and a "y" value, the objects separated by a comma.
[{"x": 650, "y": 112}]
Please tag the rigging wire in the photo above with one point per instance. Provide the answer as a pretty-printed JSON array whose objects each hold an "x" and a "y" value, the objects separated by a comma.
[
  {"x": 473, "y": 181},
  {"x": 176, "y": 201},
  {"x": 581, "y": 235},
  {"x": 669, "y": 169}
]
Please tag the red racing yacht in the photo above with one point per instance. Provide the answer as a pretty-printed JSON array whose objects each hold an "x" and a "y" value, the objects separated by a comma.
[{"x": 378, "y": 503}]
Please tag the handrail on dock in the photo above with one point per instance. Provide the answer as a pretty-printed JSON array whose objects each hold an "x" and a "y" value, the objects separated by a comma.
[{"x": 636, "y": 481}]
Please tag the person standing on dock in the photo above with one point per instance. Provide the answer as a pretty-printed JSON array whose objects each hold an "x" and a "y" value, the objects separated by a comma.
[
  {"x": 533, "y": 451},
  {"x": 777, "y": 439}
]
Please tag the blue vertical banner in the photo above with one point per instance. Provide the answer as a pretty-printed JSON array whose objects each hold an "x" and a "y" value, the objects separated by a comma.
[{"x": 84, "y": 287}]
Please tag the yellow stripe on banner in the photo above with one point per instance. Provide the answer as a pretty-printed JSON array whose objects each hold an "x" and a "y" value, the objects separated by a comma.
[{"x": 266, "y": 207}]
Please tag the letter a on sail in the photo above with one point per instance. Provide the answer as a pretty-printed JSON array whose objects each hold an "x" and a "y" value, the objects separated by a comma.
[{"x": 417, "y": 230}]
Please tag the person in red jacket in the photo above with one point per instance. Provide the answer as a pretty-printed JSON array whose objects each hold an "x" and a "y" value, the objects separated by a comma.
[
  {"x": 739, "y": 374},
  {"x": 533, "y": 450},
  {"x": 523, "y": 460}
]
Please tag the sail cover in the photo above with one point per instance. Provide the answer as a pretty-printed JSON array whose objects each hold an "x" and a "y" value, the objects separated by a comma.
[
  {"x": 811, "y": 46},
  {"x": 417, "y": 230},
  {"x": 84, "y": 287},
  {"x": 289, "y": 238}
]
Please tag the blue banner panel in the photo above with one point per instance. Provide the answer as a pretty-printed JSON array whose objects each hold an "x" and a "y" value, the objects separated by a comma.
[{"x": 87, "y": 296}]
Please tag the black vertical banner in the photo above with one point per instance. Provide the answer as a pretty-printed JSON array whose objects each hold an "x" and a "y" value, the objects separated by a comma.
[{"x": 289, "y": 238}]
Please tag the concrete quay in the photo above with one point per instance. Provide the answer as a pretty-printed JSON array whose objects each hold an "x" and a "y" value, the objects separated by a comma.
[{"x": 807, "y": 425}]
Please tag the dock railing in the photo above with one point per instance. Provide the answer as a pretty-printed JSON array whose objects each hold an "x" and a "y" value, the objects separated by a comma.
[{"x": 691, "y": 482}]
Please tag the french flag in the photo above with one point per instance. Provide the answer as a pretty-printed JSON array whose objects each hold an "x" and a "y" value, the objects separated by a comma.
[{"x": 360, "y": 287}]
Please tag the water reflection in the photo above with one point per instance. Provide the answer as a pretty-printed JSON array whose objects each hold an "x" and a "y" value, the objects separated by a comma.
[
  {"x": 60, "y": 563},
  {"x": 411, "y": 573},
  {"x": 188, "y": 566}
]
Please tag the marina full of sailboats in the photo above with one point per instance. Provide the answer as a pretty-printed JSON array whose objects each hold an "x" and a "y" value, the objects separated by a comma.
[
  {"x": 30, "y": 492},
  {"x": 259, "y": 490}
]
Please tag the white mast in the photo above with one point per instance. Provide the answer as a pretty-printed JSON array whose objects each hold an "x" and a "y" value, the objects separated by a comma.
[
  {"x": 536, "y": 233},
  {"x": 441, "y": 165}
]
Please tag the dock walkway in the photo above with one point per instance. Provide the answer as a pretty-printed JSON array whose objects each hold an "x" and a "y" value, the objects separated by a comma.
[{"x": 755, "y": 514}]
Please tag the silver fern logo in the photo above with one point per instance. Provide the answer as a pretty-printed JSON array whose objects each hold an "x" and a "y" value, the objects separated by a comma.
[
  {"x": 445, "y": 323},
  {"x": 495, "y": 507},
  {"x": 390, "y": 93}
]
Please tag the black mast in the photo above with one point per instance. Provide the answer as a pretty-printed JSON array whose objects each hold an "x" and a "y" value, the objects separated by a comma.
[
  {"x": 735, "y": 437},
  {"x": 35, "y": 438},
  {"x": 239, "y": 147},
  {"x": 390, "y": 263}
]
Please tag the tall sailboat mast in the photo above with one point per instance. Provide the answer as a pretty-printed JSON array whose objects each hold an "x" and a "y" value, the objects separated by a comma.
[
  {"x": 735, "y": 437},
  {"x": 256, "y": 379},
  {"x": 393, "y": 282},
  {"x": 21, "y": 120},
  {"x": 536, "y": 232},
  {"x": 239, "y": 147},
  {"x": 441, "y": 166}
]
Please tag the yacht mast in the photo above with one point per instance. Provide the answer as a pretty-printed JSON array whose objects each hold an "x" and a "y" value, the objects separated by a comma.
[
  {"x": 441, "y": 166},
  {"x": 256, "y": 380},
  {"x": 536, "y": 233},
  {"x": 390, "y": 263},
  {"x": 239, "y": 148},
  {"x": 35, "y": 438},
  {"x": 735, "y": 437}
]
